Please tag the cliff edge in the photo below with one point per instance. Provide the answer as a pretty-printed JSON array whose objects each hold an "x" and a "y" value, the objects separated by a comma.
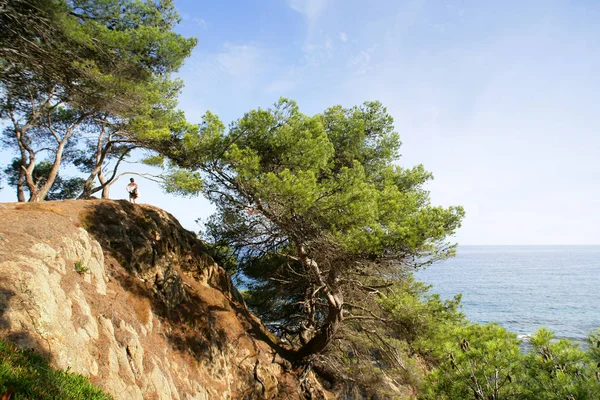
[{"x": 123, "y": 294}]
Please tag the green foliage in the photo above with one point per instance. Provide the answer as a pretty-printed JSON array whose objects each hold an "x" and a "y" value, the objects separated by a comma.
[
  {"x": 387, "y": 356},
  {"x": 96, "y": 78},
  {"x": 420, "y": 318},
  {"x": 65, "y": 189},
  {"x": 181, "y": 182},
  {"x": 485, "y": 361},
  {"x": 593, "y": 343},
  {"x": 154, "y": 160},
  {"x": 100, "y": 48},
  {"x": 28, "y": 26},
  {"x": 223, "y": 256},
  {"x": 80, "y": 269},
  {"x": 32, "y": 377},
  {"x": 314, "y": 208},
  {"x": 482, "y": 362},
  {"x": 427, "y": 345},
  {"x": 559, "y": 369}
]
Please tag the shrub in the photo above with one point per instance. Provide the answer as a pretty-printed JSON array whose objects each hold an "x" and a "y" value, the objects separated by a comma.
[{"x": 486, "y": 362}]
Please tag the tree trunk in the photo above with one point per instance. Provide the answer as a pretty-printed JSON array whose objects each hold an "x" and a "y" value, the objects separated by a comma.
[
  {"x": 98, "y": 172},
  {"x": 21, "y": 187},
  {"x": 31, "y": 185},
  {"x": 106, "y": 192},
  {"x": 28, "y": 176},
  {"x": 22, "y": 180},
  {"x": 43, "y": 191},
  {"x": 323, "y": 337},
  {"x": 335, "y": 315},
  {"x": 105, "y": 185},
  {"x": 87, "y": 188}
]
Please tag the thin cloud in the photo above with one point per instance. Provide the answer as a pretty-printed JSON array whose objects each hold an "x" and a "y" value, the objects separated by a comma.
[
  {"x": 240, "y": 60},
  {"x": 318, "y": 53},
  {"x": 360, "y": 63},
  {"x": 201, "y": 22},
  {"x": 239, "y": 65},
  {"x": 310, "y": 8},
  {"x": 280, "y": 86}
]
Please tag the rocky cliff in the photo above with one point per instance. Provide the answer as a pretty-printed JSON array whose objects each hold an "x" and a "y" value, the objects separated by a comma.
[{"x": 123, "y": 294}]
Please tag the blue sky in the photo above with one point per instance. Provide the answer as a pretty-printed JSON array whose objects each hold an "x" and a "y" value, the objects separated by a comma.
[{"x": 497, "y": 98}]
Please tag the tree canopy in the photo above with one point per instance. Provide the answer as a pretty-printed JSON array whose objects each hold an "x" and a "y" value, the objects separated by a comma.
[
  {"x": 316, "y": 211},
  {"x": 96, "y": 48},
  {"x": 91, "y": 71}
]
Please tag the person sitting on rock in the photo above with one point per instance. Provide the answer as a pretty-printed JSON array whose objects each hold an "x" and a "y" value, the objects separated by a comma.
[{"x": 132, "y": 188}]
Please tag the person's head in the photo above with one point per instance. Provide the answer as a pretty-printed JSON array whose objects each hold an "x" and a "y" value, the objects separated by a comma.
[{"x": 131, "y": 180}]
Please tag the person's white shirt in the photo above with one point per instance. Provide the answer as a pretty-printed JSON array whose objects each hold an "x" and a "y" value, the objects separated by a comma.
[{"x": 132, "y": 187}]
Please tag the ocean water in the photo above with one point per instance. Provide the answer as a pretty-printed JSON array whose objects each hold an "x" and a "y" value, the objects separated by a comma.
[{"x": 524, "y": 287}]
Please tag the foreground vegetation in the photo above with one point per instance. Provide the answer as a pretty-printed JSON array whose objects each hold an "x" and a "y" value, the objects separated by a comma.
[
  {"x": 27, "y": 375},
  {"x": 484, "y": 362},
  {"x": 430, "y": 346},
  {"x": 428, "y": 350}
]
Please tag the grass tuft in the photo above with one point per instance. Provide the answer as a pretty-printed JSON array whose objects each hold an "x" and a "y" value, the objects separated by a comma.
[{"x": 31, "y": 377}]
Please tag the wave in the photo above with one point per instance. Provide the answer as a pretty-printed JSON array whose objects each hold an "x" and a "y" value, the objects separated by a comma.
[{"x": 524, "y": 338}]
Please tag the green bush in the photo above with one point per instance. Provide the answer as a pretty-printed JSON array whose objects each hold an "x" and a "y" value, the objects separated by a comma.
[
  {"x": 559, "y": 369},
  {"x": 475, "y": 361},
  {"x": 422, "y": 319},
  {"x": 481, "y": 362},
  {"x": 486, "y": 362},
  {"x": 32, "y": 377}
]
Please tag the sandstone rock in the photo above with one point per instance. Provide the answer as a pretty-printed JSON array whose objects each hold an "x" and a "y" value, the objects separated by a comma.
[{"x": 149, "y": 316}]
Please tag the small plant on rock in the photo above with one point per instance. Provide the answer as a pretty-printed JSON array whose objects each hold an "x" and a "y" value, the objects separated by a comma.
[{"x": 80, "y": 269}]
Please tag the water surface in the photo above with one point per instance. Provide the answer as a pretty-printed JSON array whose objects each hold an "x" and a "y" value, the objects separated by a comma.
[{"x": 524, "y": 287}]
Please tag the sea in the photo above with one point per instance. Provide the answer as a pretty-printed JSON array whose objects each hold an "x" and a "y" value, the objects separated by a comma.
[{"x": 524, "y": 288}]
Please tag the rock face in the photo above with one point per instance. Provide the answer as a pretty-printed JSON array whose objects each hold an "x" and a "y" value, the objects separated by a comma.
[{"x": 123, "y": 294}]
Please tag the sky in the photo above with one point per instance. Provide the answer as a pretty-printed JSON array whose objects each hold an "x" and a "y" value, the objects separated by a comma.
[{"x": 498, "y": 99}]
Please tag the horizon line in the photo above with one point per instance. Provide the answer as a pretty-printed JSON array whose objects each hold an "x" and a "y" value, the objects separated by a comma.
[{"x": 472, "y": 244}]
